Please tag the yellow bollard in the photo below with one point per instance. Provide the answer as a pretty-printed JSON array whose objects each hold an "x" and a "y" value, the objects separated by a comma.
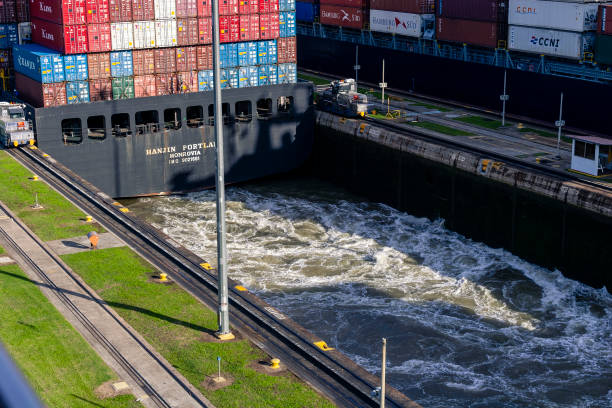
[
  {"x": 34, "y": 177},
  {"x": 275, "y": 363},
  {"x": 163, "y": 277},
  {"x": 32, "y": 142},
  {"x": 88, "y": 218}
]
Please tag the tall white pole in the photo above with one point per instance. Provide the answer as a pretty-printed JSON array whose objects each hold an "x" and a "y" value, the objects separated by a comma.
[
  {"x": 357, "y": 66},
  {"x": 384, "y": 373},
  {"x": 560, "y": 123},
  {"x": 223, "y": 313},
  {"x": 504, "y": 98},
  {"x": 383, "y": 85}
]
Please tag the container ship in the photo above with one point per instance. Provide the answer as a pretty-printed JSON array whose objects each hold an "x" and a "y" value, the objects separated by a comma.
[
  {"x": 459, "y": 49},
  {"x": 121, "y": 91}
]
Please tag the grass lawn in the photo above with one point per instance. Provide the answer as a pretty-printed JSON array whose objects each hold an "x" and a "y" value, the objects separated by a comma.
[
  {"x": 430, "y": 106},
  {"x": 480, "y": 121},
  {"x": 1, "y": 250},
  {"x": 441, "y": 128},
  {"x": 173, "y": 322},
  {"x": 59, "y": 364},
  {"x": 58, "y": 219},
  {"x": 315, "y": 80},
  {"x": 545, "y": 134}
]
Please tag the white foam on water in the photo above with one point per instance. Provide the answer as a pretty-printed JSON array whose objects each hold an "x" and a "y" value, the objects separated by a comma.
[{"x": 459, "y": 315}]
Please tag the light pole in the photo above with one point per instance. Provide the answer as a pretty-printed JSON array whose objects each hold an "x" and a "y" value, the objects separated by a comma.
[
  {"x": 383, "y": 84},
  {"x": 357, "y": 66},
  {"x": 560, "y": 123},
  {"x": 224, "y": 332},
  {"x": 504, "y": 98},
  {"x": 383, "y": 373}
]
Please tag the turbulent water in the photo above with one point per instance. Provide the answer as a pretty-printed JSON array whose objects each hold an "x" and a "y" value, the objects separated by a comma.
[{"x": 467, "y": 325}]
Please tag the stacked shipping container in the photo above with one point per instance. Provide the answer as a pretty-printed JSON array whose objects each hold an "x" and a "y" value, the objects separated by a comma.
[
  {"x": 120, "y": 49},
  {"x": 603, "y": 43},
  {"x": 13, "y": 13},
  {"x": 412, "y": 18}
]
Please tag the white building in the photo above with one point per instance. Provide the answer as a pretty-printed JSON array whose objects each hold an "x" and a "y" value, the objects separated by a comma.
[{"x": 591, "y": 155}]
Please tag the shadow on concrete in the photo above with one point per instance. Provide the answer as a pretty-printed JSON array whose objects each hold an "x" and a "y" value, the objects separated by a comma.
[{"x": 73, "y": 244}]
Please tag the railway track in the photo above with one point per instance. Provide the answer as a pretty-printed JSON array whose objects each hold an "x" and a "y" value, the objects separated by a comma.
[
  {"x": 89, "y": 326},
  {"x": 487, "y": 154},
  {"x": 330, "y": 372}
]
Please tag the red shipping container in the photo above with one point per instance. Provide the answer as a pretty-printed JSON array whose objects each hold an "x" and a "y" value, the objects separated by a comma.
[
  {"x": 204, "y": 57},
  {"x": 65, "y": 39},
  {"x": 143, "y": 62},
  {"x": 489, "y": 10},
  {"x": 351, "y": 3},
  {"x": 22, "y": 11},
  {"x": 40, "y": 95},
  {"x": 287, "y": 50},
  {"x": 166, "y": 84},
  {"x": 187, "y": 31},
  {"x": 248, "y": 6},
  {"x": 120, "y": 10},
  {"x": 100, "y": 90},
  {"x": 342, "y": 16},
  {"x": 204, "y": 8},
  {"x": 228, "y": 7},
  {"x": 249, "y": 27},
  {"x": 269, "y": 26},
  {"x": 404, "y": 6},
  {"x": 144, "y": 85},
  {"x": 99, "y": 37},
  {"x": 229, "y": 28},
  {"x": 98, "y": 65},
  {"x": 482, "y": 33},
  {"x": 186, "y": 59},
  {"x": 143, "y": 10},
  {"x": 97, "y": 11},
  {"x": 268, "y": 6},
  {"x": 186, "y": 8},
  {"x": 66, "y": 12},
  {"x": 604, "y": 19},
  {"x": 204, "y": 30},
  {"x": 8, "y": 11},
  {"x": 187, "y": 82},
  {"x": 165, "y": 60}
]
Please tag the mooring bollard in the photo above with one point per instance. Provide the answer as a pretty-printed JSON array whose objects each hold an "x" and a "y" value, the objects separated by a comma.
[{"x": 275, "y": 363}]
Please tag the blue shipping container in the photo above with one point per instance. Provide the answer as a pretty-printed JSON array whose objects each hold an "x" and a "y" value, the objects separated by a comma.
[
  {"x": 121, "y": 64},
  {"x": 286, "y": 22},
  {"x": 248, "y": 77},
  {"x": 77, "y": 92},
  {"x": 228, "y": 54},
  {"x": 268, "y": 75},
  {"x": 229, "y": 78},
  {"x": 8, "y": 35},
  {"x": 206, "y": 80},
  {"x": 39, "y": 63},
  {"x": 262, "y": 52},
  {"x": 272, "y": 52},
  {"x": 75, "y": 67},
  {"x": 286, "y": 5},
  {"x": 306, "y": 11},
  {"x": 287, "y": 73},
  {"x": 247, "y": 53},
  {"x": 273, "y": 74}
]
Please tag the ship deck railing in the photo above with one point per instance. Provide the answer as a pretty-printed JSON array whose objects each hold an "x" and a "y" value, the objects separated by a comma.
[{"x": 584, "y": 69}]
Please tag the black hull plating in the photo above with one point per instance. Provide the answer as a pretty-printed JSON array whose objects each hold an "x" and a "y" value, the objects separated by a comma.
[
  {"x": 172, "y": 161},
  {"x": 586, "y": 104}
]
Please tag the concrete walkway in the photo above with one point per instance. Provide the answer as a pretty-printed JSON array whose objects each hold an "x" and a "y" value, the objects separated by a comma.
[
  {"x": 79, "y": 244},
  {"x": 155, "y": 370}
]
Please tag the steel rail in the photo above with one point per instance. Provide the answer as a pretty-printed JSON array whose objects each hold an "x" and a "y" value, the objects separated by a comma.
[
  {"x": 487, "y": 154},
  {"x": 78, "y": 314},
  {"x": 166, "y": 254}
]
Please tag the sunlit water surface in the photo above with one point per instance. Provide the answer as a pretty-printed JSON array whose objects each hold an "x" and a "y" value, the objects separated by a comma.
[{"x": 467, "y": 325}]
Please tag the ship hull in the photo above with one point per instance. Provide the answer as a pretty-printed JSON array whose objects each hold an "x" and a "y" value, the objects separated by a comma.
[
  {"x": 148, "y": 159},
  {"x": 533, "y": 95}
]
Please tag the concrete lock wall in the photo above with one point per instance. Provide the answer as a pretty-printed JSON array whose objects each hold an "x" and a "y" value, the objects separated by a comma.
[{"x": 545, "y": 220}]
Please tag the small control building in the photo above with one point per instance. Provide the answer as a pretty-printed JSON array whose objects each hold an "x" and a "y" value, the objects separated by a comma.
[{"x": 591, "y": 155}]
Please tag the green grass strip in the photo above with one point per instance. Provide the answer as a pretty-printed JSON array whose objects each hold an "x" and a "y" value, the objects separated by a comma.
[
  {"x": 58, "y": 219},
  {"x": 314, "y": 79},
  {"x": 544, "y": 133},
  {"x": 480, "y": 121},
  {"x": 441, "y": 129},
  {"x": 173, "y": 322},
  {"x": 2, "y": 250},
  {"x": 60, "y": 365},
  {"x": 430, "y": 106}
]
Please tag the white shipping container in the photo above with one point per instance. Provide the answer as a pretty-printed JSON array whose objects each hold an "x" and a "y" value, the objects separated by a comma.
[
  {"x": 122, "y": 36},
  {"x": 412, "y": 25},
  {"x": 165, "y": 33},
  {"x": 165, "y": 9},
  {"x": 144, "y": 34},
  {"x": 553, "y": 14},
  {"x": 565, "y": 44}
]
